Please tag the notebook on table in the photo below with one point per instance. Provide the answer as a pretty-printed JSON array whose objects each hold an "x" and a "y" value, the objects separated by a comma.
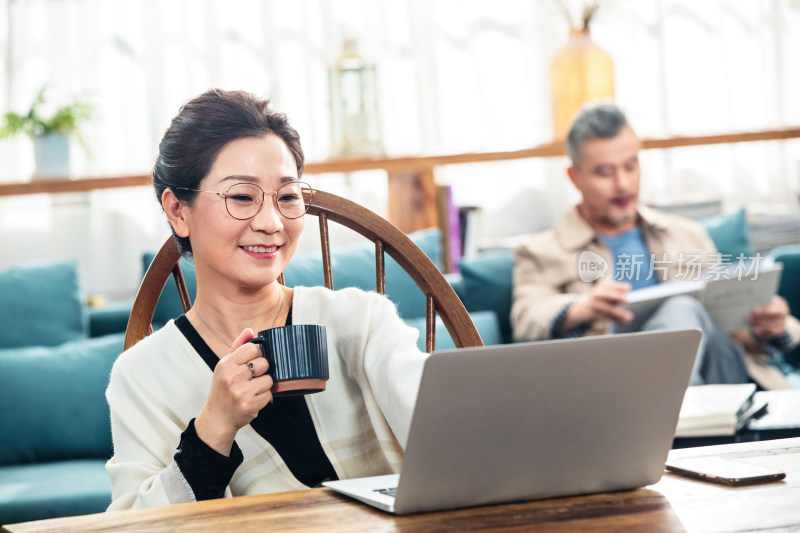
[
  {"x": 526, "y": 421},
  {"x": 717, "y": 410}
]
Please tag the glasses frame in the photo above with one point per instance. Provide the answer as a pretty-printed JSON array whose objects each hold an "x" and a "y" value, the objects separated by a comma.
[{"x": 304, "y": 187}]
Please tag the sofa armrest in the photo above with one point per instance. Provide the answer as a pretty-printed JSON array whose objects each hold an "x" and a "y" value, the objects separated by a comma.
[
  {"x": 789, "y": 286},
  {"x": 111, "y": 318}
]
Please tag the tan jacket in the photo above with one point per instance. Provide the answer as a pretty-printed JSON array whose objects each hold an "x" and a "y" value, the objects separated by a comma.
[{"x": 546, "y": 270}]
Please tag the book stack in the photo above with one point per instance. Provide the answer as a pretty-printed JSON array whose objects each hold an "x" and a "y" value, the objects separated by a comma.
[
  {"x": 717, "y": 410},
  {"x": 450, "y": 226},
  {"x": 460, "y": 227},
  {"x": 469, "y": 219}
]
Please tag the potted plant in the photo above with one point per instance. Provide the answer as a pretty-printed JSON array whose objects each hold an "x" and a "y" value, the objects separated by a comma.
[{"x": 50, "y": 132}]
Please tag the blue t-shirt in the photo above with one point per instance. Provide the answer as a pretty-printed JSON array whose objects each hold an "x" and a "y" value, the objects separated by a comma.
[{"x": 632, "y": 261}]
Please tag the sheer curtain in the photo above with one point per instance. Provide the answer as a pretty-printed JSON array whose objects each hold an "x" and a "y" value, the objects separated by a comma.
[{"x": 453, "y": 76}]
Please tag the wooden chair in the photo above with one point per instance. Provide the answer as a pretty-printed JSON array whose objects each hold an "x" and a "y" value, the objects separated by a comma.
[{"x": 440, "y": 296}]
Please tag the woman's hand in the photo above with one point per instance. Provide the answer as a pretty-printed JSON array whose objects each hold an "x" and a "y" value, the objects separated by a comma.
[
  {"x": 240, "y": 388},
  {"x": 769, "y": 321}
]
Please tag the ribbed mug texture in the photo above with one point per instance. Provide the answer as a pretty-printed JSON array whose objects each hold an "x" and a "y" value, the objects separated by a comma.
[{"x": 296, "y": 352}]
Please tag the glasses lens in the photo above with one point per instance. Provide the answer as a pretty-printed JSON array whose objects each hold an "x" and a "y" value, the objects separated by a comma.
[
  {"x": 244, "y": 200},
  {"x": 291, "y": 201}
]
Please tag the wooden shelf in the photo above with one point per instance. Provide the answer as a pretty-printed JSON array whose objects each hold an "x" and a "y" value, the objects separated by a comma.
[
  {"x": 61, "y": 185},
  {"x": 412, "y": 202}
]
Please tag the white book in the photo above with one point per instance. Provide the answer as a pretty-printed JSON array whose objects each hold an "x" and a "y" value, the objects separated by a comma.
[
  {"x": 728, "y": 295},
  {"x": 729, "y": 301},
  {"x": 713, "y": 409},
  {"x": 643, "y": 302}
]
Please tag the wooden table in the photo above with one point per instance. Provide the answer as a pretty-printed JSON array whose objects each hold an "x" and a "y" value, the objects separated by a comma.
[{"x": 672, "y": 504}]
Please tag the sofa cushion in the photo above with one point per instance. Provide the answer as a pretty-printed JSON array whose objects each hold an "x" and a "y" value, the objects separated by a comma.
[
  {"x": 53, "y": 399},
  {"x": 485, "y": 322},
  {"x": 730, "y": 233},
  {"x": 41, "y": 305},
  {"x": 49, "y": 490},
  {"x": 169, "y": 304},
  {"x": 487, "y": 286},
  {"x": 110, "y": 318},
  {"x": 456, "y": 281},
  {"x": 352, "y": 266}
]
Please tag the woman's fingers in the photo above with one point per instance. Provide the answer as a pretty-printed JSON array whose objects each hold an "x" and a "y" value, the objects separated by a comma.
[
  {"x": 257, "y": 367},
  {"x": 243, "y": 351}
]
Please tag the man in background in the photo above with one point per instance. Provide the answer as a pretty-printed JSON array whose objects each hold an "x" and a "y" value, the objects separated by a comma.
[{"x": 610, "y": 226}]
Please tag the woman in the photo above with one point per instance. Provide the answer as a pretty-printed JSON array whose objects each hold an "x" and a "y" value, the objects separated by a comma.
[{"x": 197, "y": 386}]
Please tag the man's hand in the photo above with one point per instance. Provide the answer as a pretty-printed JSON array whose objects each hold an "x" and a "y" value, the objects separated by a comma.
[
  {"x": 769, "y": 321},
  {"x": 603, "y": 301}
]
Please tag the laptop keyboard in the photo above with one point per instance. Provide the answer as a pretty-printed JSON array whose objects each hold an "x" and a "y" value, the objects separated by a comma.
[{"x": 389, "y": 492}]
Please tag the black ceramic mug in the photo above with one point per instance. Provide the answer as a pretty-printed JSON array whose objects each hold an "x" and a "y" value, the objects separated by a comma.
[{"x": 297, "y": 357}]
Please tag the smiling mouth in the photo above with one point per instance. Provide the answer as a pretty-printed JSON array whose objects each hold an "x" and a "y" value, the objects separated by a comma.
[{"x": 260, "y": 249}]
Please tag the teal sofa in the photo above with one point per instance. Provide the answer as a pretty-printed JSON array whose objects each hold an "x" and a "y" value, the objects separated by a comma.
[
  {"x": 485, "y": 282},
  {"x": 55, "y": 359},
  {"x": 56, "y": 355}
]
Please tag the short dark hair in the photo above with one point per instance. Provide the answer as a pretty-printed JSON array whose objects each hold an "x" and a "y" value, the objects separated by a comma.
[
  {"x": 201, "y": 129},
  {"x": 595, "y": 121}
]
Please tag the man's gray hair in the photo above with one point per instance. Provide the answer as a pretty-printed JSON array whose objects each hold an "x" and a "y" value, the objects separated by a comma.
[{"x": 602, "y": 121}]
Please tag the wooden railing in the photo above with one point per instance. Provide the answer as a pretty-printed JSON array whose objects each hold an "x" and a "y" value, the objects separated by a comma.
[{"x": 412, "y": 191}]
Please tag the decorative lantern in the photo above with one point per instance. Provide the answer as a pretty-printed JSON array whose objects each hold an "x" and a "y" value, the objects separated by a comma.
[{"x": 355, "y": 128}]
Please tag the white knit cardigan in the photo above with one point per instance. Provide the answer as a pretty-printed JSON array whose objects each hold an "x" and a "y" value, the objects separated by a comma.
[{"x": 362, "y": 417}]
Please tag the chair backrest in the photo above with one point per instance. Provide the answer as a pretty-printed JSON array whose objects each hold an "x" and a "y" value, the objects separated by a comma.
[{"x": 440, "y": 296}]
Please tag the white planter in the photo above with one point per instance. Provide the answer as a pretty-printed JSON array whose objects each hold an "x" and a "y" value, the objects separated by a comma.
[{"x": 52, "y": 156}]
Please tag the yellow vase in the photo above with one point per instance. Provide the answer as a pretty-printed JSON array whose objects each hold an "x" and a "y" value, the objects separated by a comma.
[{"x": 580, "y": 72}]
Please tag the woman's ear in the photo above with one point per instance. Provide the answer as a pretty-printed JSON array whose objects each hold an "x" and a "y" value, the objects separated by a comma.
[{"x": 177, "y": 213}]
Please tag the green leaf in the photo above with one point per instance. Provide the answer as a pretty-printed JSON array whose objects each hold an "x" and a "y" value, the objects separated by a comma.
[{"x": 66, "y": 119}]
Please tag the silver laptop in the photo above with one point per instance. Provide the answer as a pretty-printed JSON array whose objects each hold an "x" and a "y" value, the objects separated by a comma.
[{"x": 537, "y": 420}]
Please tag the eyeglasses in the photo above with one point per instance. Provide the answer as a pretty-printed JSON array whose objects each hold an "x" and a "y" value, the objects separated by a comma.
[{"x": 244, "y": 200}]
